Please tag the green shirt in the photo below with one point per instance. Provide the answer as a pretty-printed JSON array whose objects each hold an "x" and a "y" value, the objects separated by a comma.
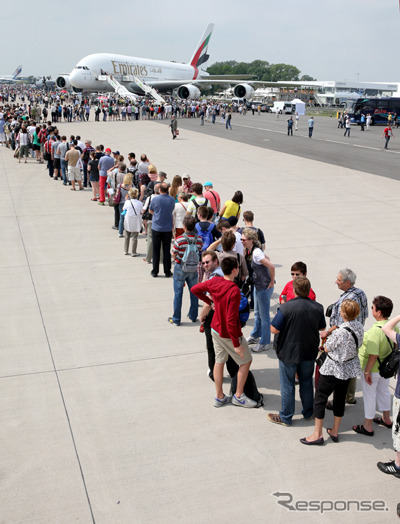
[{"x": 375, "y": 343}]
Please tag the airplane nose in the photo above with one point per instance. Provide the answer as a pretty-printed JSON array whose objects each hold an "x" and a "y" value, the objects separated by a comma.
[{"x": 75, "y": 78}]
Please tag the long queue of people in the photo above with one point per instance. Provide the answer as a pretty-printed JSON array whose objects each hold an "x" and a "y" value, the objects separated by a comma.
[{"x": 221, "y": 264}]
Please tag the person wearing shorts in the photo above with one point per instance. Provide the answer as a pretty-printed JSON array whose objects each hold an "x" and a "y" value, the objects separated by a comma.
[
  {"x": 36, "y": 143},
  {"x": 73, "y": 158},
  {"x": 23, "y": 139},
  {"x": 224, "y": 295}
]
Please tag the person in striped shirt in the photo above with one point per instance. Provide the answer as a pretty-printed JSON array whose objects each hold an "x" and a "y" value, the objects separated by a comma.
[{"x": 181, "y": 277}]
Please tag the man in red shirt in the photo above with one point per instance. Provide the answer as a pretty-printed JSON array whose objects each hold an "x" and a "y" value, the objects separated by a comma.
[
  {"x": 387, "y": 133},
  {"x": 298, "y": 269},
  {"x": 213, "y": 197},
  {"x": 226, "y": 331}
]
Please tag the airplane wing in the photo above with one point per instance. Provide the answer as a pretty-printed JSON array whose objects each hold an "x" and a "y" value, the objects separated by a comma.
[{"x": 229, "y": 80}]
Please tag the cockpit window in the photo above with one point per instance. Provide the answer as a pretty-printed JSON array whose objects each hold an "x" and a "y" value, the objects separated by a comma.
[{"x": 82, "y": 67}]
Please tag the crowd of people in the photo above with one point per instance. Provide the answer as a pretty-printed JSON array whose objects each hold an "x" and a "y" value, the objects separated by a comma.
[
  {"x": 226, "y": 267},
  {"x": 41, "y": 105}
]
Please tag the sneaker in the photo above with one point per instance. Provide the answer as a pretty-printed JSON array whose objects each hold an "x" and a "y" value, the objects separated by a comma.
[
  {"x": 121, "y": 236},
  {"x": 252, "y": 340},
  {"x": 389, "y": 468},
  {"x": 114, "y": 227},
  {"x": 261, "y": 347},
  {"x": 218, "y": 402},
  {"x": 187, "y": 316},
  {"x": 243, "y": 401},
  {"x": 171, "y": 321},
  {"x": 276, "y": 419}
]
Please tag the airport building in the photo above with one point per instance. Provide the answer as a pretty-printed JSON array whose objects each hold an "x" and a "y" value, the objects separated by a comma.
[{"x": 335, "y": 93}]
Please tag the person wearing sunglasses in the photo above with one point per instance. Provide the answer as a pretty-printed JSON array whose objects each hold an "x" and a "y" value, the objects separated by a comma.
[{"x": 298, "y": 269}]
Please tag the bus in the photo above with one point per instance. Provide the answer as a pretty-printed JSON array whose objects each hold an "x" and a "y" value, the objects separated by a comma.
[{"x": 378, "y": 108}]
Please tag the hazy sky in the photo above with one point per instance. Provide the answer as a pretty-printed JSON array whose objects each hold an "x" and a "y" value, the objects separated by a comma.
[{"x": 327, "y": 39}]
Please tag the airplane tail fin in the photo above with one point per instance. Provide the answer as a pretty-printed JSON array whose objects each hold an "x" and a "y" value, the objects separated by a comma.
[
  {"x": 17, "y": 72},
  {"x": 200, "y": 55}
]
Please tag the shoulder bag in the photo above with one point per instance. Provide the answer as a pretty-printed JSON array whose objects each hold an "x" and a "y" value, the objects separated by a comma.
[
  {"x": 147, "y": 215},
  {"x": 389, "y": 366},
  {"x": 117, "y": 196}
]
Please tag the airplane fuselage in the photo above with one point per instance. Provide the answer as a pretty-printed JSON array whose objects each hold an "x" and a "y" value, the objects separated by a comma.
[{"x": 86, "y": 73}]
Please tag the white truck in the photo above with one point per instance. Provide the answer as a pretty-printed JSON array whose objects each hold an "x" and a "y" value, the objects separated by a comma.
[{"x": 285, "y": 107}]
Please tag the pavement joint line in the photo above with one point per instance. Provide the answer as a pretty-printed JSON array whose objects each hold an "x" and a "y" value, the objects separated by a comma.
[
  {"x": 102, "y": 364},
  {"x": 49, "y": 347}
]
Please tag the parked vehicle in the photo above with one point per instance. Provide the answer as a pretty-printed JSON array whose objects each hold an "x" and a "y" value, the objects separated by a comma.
[
  {"x": 286, "y": 108},
  {"x": 264, "y": 108}
]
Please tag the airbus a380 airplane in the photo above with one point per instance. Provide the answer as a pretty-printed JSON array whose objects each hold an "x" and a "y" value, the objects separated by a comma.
[
  {"x": 11, "y": 78},
  {"x": 161, "y": 75}
]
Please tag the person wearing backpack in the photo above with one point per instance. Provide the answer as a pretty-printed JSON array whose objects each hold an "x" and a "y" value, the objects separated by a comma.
[
  {"x": 206, "y": 229},
  {"x": 87, "y": 150},
  {"x": 186, "y": 252},
  {"x": 393, "y": 466},
  {"x": 228, "y": 339},
  {"x": 150, "y": 189},
  {"x": 375, "y": 348},
  {"x": 197, "y": 200}
]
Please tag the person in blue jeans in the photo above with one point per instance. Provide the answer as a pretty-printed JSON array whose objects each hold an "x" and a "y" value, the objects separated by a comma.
[
  {"x": 310, "y": 126},
  {"x": 263, "y": 278},
  {"x": 181, "y": 277},
  {"x": 298, "y": 323}
]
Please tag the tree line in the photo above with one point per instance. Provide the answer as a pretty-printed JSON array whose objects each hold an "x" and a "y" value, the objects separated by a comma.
[{"x": 260, "y": 69}]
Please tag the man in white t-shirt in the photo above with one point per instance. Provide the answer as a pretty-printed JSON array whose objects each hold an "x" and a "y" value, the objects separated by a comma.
[
  {"x": 179, "y": 213},
  {"x": 81, "y": 144}
]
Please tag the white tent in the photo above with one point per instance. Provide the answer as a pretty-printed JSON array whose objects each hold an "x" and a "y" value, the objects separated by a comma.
[{"x": 300, "y": 106}]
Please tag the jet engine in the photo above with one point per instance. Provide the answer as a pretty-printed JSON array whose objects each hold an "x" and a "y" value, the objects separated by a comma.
[
  {"x": 188, "y": 91},
  {"x": 243, "y": 91},
  {"x": 63, "y": 82}
]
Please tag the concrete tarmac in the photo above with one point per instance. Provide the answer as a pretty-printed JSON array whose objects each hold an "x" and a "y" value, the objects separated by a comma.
[{"x": 107, "y": 412}]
